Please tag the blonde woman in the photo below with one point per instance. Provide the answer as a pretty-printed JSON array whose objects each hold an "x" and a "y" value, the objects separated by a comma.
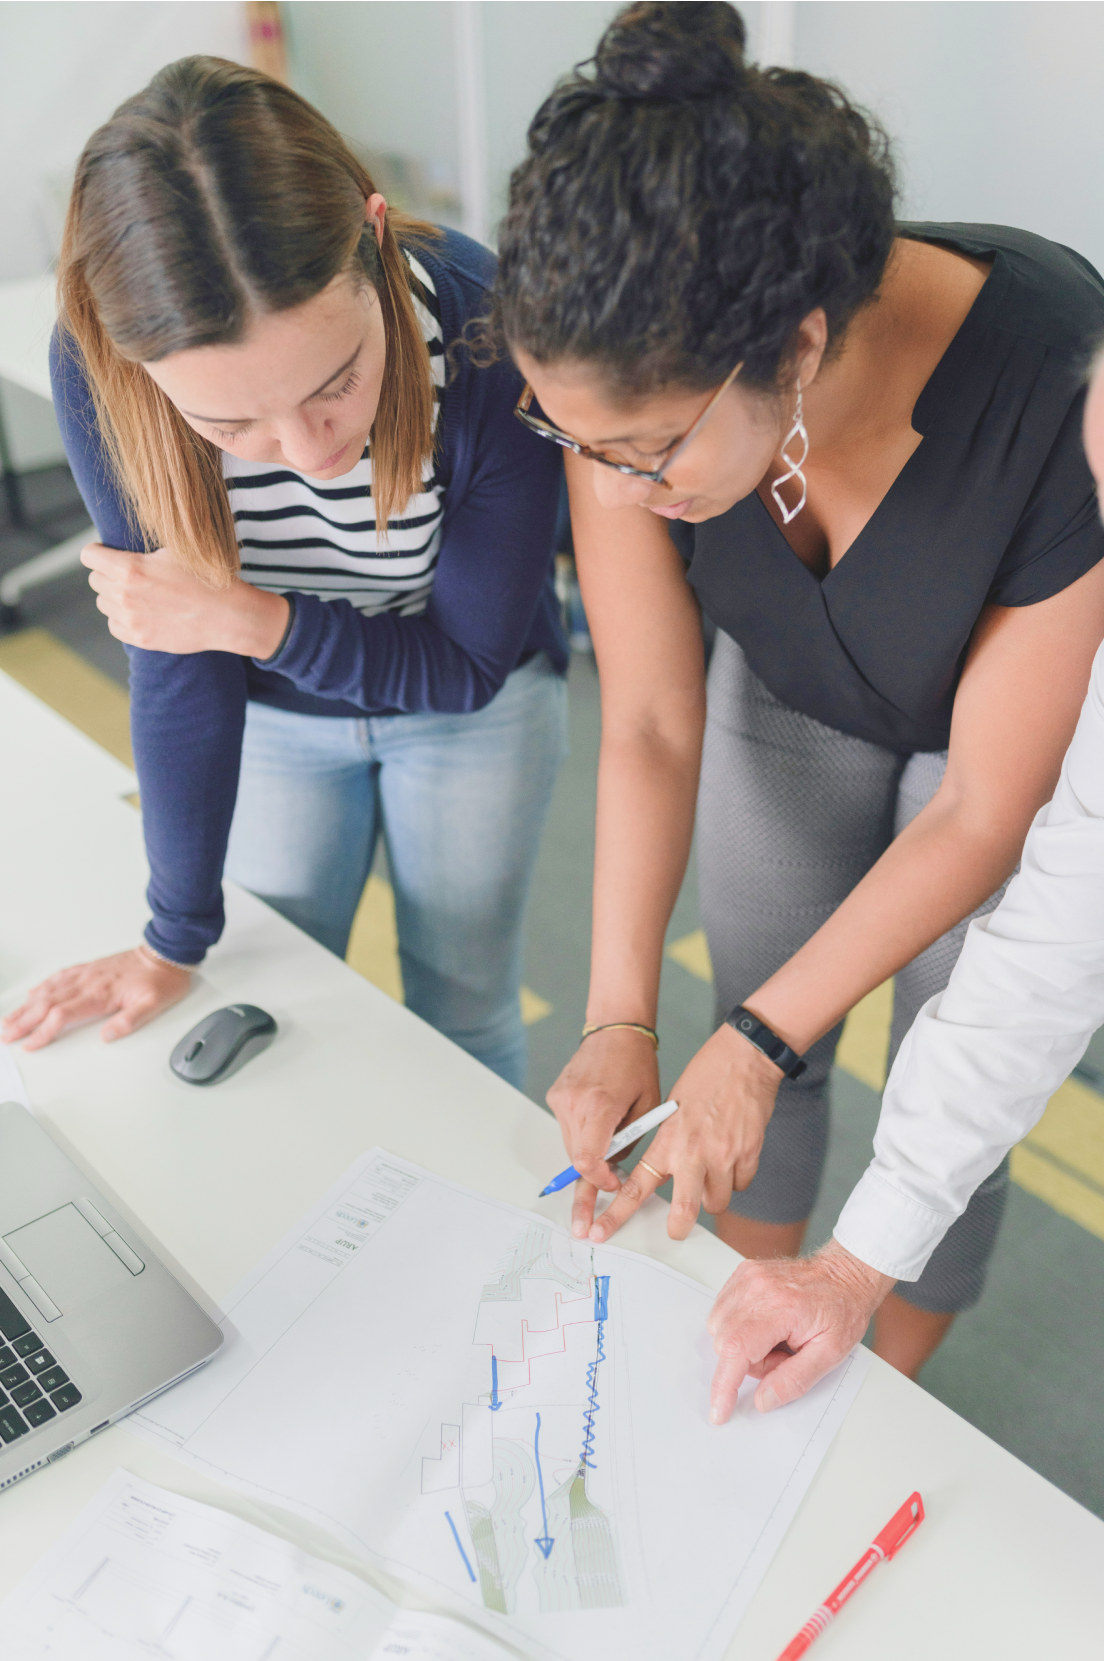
[{"x": 328, "y": 555}]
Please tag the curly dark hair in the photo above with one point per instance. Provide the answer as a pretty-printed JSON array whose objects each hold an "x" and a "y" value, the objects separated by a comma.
[{"x": 680, "y": 210}]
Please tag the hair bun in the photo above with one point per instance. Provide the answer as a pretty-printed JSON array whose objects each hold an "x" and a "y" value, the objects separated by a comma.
[{"x": 681, "y": 51}]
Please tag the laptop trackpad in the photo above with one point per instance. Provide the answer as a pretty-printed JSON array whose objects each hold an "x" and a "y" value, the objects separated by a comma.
[{"x": 68, "y": 1258}]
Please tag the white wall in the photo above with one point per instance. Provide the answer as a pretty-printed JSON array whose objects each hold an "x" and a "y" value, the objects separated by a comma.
[
  {"x": 527, "y": 47},
  {"x": 383, "y": 71},
  {"x": 63, "y": 69},
  {"x": 996, "y": 107},
  {"x": 993, "y": 103},
  {"x": 389, "y": 74}
]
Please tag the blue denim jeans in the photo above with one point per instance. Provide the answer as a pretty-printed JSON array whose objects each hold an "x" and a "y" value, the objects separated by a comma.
[{"x": 460, "y": 801}]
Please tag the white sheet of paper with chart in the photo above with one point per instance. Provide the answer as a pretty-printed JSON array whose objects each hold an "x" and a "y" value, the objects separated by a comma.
[
  {"x": 143, "y": 1572},
  {"x": 502, "y": 1415}
]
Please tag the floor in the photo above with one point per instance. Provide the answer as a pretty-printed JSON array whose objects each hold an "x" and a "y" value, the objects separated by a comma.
[{"x": 1026, "y": 1366}]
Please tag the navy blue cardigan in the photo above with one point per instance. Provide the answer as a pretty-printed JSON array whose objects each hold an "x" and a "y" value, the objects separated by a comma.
[{"x": 492, "y": 605}]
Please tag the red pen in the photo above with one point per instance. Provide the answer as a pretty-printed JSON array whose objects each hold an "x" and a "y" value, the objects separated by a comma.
[{"x": 887, "y": 1544}]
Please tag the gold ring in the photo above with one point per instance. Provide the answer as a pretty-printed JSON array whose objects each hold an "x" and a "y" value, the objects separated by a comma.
[{"x": 657, "y": 1174}]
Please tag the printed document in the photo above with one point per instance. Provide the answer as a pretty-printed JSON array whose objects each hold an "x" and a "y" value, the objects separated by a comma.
[
  {"x": 511, "y": 1420},
  {"x": 147, "y": 1573}
]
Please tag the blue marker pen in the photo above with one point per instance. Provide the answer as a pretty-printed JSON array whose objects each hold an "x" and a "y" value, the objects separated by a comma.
[{"x": 624, "y": 1139}]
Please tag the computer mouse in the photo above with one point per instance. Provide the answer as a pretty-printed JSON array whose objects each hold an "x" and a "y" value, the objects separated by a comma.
[{"x": 222, "y": 1043}]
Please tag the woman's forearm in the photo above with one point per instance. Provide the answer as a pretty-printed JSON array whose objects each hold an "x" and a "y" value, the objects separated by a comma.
[
  {"x": 936, "y": 872},
  {"x": 647, "y": 788},
  {"x": 259, "y": 622},
  {"x": 647, "y": 635},
  {"x": 187, "y": 717}
]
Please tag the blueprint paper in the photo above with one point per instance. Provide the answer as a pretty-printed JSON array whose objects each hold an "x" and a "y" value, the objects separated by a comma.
[
  {"x": 511, "y": 1420},
  {"x": 143, "y": 1573}
]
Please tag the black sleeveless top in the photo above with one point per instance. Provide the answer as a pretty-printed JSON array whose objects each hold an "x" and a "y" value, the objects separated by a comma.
[{"x": 995, "y": 507}]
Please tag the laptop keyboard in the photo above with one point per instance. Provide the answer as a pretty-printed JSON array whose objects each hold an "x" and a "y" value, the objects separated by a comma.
[{"x": 34, "y": 1388}]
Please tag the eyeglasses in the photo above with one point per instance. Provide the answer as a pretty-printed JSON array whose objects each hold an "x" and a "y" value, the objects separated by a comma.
[{"x": 544, "y": 429}]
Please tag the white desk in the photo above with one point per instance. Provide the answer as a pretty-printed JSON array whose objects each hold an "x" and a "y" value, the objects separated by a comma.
[
  {"x": 27, "y": 312},
  {"x": 1005, "y": 1564}
]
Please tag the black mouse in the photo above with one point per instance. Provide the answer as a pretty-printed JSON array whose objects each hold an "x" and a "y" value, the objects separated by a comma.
[{"x": 221, "y": 1043}]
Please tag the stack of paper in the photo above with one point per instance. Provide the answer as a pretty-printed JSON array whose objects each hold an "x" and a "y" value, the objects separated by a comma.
[{"x": 146, "y": 1573}]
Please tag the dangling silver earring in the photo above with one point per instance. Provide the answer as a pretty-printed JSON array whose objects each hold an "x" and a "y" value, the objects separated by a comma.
[{"x": 794, "y": 464}]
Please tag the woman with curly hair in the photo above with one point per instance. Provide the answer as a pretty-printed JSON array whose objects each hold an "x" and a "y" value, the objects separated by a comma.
[{"x": 854, "y": 444}]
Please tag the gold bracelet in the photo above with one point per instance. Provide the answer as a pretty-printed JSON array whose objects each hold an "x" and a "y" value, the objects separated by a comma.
[{"x": 622, "y": 1026}]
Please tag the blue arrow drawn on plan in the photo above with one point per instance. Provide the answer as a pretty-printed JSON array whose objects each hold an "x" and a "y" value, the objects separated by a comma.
[
  {"x": 495, "y": 1403},
  {"x": 459, "y": 1547},
  {"x": 544, "y": 1543}
]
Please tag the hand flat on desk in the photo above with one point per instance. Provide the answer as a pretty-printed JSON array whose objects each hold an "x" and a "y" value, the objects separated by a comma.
[{"x": 130, "y": 987}]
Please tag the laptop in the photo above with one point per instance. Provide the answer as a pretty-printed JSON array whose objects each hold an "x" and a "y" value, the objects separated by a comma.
[{"x": 91, "y": 1323}]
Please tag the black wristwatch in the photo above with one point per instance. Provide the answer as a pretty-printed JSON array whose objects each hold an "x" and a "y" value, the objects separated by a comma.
[{"x": 775, "y": 1049}]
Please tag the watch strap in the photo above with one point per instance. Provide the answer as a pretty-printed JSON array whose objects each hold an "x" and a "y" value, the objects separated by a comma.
[{"x": 757, "y": 1033}]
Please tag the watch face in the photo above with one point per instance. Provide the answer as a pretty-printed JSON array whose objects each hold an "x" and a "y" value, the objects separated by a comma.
[{"x": 746, "y": 1025}]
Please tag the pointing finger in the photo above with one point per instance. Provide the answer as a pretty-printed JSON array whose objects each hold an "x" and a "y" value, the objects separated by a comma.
[
  {"x": 638, "y": 1186},
  {"x": 796, "y": 1374},
  {"x": 685, "y": 1201},
  {"x": 582, "y": 1208},
  {"x": 731, "y": 1371}
]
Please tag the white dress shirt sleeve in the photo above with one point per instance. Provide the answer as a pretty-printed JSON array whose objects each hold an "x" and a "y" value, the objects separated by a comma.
[{"x": 983, "y": 1058}]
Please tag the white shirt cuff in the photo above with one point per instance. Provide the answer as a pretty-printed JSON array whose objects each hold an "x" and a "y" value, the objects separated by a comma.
[{"x": 885, "y": 1229}]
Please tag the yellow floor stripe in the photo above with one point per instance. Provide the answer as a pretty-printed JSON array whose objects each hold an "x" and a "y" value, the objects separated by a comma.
[
  {"x": 534, "y": 1008},
  {"x": 864, "y": 1046},
  {"x": 1071, "y": 1130},
  {"x": 374, "y": 942},
  {"x": 1058, "y": 1188},
  {"x": 90, "y": 700},
  {"x": 692, "y": 952}
]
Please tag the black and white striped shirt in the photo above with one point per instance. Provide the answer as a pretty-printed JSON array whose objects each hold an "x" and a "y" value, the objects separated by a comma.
[{"x": 321, "y": 539}]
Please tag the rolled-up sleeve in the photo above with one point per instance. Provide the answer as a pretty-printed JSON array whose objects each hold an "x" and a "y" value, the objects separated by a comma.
[{"x": 983, "y": 1058}]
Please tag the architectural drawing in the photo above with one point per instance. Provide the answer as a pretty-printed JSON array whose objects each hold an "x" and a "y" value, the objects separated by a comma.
[
  {"x": 520, "y": 1460},
  {"x": 512, "y": 1421}
]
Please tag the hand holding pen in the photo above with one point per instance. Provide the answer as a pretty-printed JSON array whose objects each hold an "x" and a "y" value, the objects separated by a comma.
[
  {"x": 709, "y": 1147},
  {"x": 612, "y": 1078},
  {"x": 622, "y": 1140}
]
